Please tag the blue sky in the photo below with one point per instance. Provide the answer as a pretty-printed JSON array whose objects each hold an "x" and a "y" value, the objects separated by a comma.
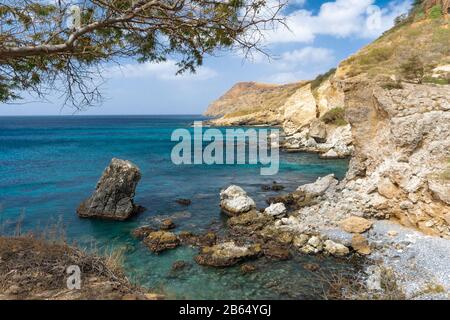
[{"x": 322, "y": 33}]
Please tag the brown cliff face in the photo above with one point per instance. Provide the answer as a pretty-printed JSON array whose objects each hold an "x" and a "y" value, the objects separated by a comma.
[{"x": 249, "y": 97}]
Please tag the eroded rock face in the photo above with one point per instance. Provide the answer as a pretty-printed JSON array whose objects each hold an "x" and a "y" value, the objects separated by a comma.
[
  {"x": 318, "y": 131},
  {"x": 234, "y": 201},
  {"x": 114, "y": 194},
  {"x": 227, "y": 254}
]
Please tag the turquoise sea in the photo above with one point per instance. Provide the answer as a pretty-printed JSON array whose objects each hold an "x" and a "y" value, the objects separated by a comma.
[{"x": 48, "y": 165}]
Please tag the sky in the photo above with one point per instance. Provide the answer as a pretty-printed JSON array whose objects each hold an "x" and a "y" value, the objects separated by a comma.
[{"x": 321, "y": 34}]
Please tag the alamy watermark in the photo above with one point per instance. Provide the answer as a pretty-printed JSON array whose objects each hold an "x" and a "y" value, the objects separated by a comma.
[
  {"x": 74, "y": 279},
  {"x": 233, "y": 146}
]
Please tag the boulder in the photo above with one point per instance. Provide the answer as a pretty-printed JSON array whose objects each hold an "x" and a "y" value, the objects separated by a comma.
[
  {"x": 355, "y": 224},
  {"x": 275, "y": 251},
  {"x": 319, "y": 187},
  {"x": 159, "y": 241},
  {"x": 360, "y": 244},
  {"x": 142, "y": 232},
  {"x": 318, "y": 131},
  {"x": 248, "y": 268},
  {"x": 330, "y": 154},
  {"x": 249, "y": 222},
  {"x": 226, "y": 254},
  {"x": 276, "y": 210},
  {"x": 335, "y": 249},
  {"x": 234, "y": 201},
  {"x": 113, "y": 196},
  {"x": 167, "y": 224},
  {"x": 387, "y": 189}
]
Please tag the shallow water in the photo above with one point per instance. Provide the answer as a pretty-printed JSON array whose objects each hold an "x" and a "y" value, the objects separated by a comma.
[{"x": 48, "y": 165}]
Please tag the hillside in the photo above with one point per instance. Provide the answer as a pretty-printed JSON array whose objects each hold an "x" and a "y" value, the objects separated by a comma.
[
  {"x": 250, "y": 97},
  {"x": 387, "y": 107}
]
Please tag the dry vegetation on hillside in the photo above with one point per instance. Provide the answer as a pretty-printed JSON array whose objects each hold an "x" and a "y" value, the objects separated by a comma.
[{"x": 423, "y": 34}]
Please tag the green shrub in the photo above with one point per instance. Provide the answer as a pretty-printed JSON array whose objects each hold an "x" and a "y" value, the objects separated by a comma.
[
  {"x": 321, "y": 78},
  {"x": 335, "y": 116},
  {"x": 413, "y": 69},
  {"x": 377, "y": 55},
  {"x": 436, "y": 12},
  {"x": 433, "y": 80},
  {"x": 391, "y": 85}
]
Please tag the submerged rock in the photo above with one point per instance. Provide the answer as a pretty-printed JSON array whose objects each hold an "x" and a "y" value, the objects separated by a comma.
[
  {"x": 113, "y": 196},
  {"x": 179, "y": 265},
  {"x": 226, "y": 254},
  {"x": 248, "y": 268},
  {"x": 142, "y": 232},
  {"x": 184, "y": 202},
  {"x": 167, "y": 224},
  {"x": 275, "y": 251},
  {"x": 159, "y": 241},
  {"x": 234, "y": 201}
]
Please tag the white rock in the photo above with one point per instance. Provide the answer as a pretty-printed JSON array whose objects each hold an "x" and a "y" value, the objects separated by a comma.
[
  {"x": 234, "y": 200},
  {"x": 319, "y": 187},
  {"x": 276, "y": 209},
  {"x": 336, "y": 249}
]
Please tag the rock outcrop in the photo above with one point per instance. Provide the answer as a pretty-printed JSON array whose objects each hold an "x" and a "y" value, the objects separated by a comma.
[
  {"x": 227, "y": 254},
  {"x": 234, "y": 201},
  {"x": 114, "y": 194}
]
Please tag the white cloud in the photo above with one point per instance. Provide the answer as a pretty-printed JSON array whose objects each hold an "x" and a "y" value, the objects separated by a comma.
[
  {"x": 163, "y": 71},
  {"x": 306, "y": 56},
  {"x": 341, "y": 18}
]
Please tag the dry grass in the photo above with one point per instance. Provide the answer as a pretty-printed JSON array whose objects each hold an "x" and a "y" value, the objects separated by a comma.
[
  {"x": 35, "y": 264},
  {"x": 36, "y": 269},
  {"x": 345, "y": 286},
  {"x": 428, "y": 38}
]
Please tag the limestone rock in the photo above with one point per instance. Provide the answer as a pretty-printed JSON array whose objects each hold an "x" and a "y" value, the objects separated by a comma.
[
  {"x": 319, "y": 187},
  {"x": 275, "y": 210},
  {"x": 159, "y": 241},
  {"x": 318, "y": 131},
  {"x": 440, "y": 190},
  {"x": 113, "y": 196},
  {"x": 387, "y": 189},
  {"x": 335, "y": 249},
  {"x": 355, "y": 224},
  {"x": 360, "y": 244},
  {"x": 227, "y": 254},
  {"x": 234, "y": 201}
]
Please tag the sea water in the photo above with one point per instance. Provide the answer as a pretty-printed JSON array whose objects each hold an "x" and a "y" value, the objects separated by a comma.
[{"x": 48, "y": 165}]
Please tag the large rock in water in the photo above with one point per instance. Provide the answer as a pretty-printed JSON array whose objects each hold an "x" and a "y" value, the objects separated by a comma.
[
  {"x": 113, "y": 196},
  {"x": 234, "y": 201}
]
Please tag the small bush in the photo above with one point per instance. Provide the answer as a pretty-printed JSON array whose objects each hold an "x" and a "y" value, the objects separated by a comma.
[
  {"x": 440, "y": 81},
  {"x": 377, "y": 55},
  {"x": 335, "y": 116},
  {"x": 321, "y": 78},
  {"x": 391, "y": 85},
  {"x": 436, "y": 12},
  {"x": 413, "y": 69}
]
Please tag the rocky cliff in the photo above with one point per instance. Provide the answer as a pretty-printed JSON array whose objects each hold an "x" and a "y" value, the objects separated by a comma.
[{"x": 386, "y": 106}]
